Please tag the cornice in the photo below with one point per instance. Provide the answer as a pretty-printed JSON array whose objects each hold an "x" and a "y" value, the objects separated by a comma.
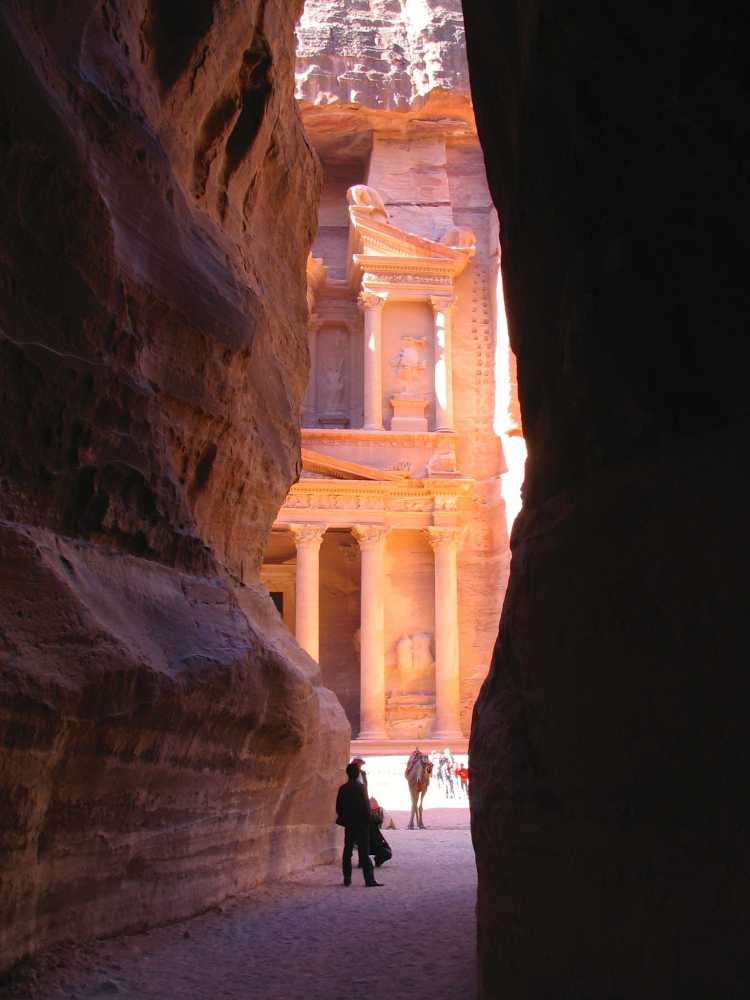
[
  {"x": 348, "y": 438},
  {"x": 340, "y": 469},
  {"x": 422, "y": 496}
]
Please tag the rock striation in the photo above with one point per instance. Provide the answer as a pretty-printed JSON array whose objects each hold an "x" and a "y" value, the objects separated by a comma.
[
  {"x": 163, "y": 744},
  {"x": 610, "y": 753}
]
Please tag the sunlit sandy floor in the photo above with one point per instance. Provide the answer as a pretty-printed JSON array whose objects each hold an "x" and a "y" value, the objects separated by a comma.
[
  {"x": 386, "y": 782},
  {"x": 308, "y": 936}
]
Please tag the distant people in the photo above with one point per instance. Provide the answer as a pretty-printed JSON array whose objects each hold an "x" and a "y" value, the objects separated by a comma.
[
  {"x": 353, "y": 813},
  {"x": 447, "y": 765},
  {"x": 463, "y": 777},
  {"x": 380, "y": 849},
  {"x": 455, "y": 778},
  {"x": 359, "y": 761},
  {"x": 437, "y": 770}
]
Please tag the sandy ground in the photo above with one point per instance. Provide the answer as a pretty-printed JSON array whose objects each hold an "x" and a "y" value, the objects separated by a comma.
[{"x": 305, "y": 936}]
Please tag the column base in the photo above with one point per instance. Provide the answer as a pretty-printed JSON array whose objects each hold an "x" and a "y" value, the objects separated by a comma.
[
  {"x": 448, "y": 734},
  {"x": 373, "y": 427},
  {"x": 373, "y": 734},
  {"x": 445, "y": 430}
]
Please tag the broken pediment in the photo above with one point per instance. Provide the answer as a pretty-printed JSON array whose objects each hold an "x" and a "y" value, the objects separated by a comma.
[
  {"x": 378, "y": 248},
  {"x": 323, "y": 466}
]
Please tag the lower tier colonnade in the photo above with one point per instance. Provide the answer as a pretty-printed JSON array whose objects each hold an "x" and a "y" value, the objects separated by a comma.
[{"x": 371, "y": 538}]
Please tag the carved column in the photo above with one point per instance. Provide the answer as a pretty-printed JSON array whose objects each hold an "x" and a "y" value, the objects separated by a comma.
[
  {"x": 442, "y": 307},
  {"x": 371, "y": 540},
  {"x": 310, "y": 406},
  {"x": 444, "y": 542},
  {"x": 308, "y": 539},
  {"x": 372, "y": 307}
]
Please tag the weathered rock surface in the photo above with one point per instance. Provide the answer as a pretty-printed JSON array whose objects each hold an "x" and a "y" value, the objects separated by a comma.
[
  {"x": 160, "y": 746},
  {"x": 610, "y": 749},
  {"x": 380, "y": 53}
]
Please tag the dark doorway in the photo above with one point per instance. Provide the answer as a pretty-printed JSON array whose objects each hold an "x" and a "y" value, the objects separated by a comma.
[{"x": 277, "y": 597}]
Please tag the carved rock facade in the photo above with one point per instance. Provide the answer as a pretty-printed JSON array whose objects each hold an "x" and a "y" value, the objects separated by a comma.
[{"x": 401, "y": 411}]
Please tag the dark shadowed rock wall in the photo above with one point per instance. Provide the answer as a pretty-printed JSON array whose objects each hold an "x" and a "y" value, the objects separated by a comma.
[
  {"x": 162, "y": 743},
  {"x": 611, "y": 746}
]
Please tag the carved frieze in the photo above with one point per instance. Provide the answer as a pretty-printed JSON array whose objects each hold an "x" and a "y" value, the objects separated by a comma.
[
  {"x": 408, "y": 279},
  {"x": 406, "y": 504},
  {"x": 324, "y": 501},
  {"x": 445, "y": 503}
]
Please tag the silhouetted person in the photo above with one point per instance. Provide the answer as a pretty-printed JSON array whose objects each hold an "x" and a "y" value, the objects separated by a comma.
[{"x": 353, "y": 813}]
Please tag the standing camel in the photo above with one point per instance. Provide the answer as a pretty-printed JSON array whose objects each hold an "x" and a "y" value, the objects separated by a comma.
[{"x": 418, "y": 774}]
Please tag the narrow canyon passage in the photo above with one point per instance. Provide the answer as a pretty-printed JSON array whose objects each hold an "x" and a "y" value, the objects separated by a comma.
[{"x": 305, "y": 936}]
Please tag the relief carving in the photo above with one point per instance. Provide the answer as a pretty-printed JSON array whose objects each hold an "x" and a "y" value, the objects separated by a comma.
[
  {"x": 416, "y": 665},
  {"x": 409, "y": 505},
  {"x": 442, "y": 463},
  {"x": 407, "y": 362},
  {"x": 411, "y": 279},
  {"x": 445, "y": 503},
  {"x": 366, "y": 198},
  {"x": 459, "y": 238},
  {"x": 334, "y": 387},
  {"x": 296, "y": 501}
]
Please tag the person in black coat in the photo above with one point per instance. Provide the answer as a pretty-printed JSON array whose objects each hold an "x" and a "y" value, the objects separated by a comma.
[
  {"x": 353, "y": 813},
  {"x": 380, "y": 849}
]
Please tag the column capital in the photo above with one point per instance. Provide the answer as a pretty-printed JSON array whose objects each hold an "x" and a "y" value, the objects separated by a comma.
[
  {"x": 308, "y": 536},
  {"x": 314, "y": 322},
  {"x": 444, "y": 538},
  {"x": 443, "y": 303},
  {"x": 370, "y": 536},
  {"x": 371, "y": 300}
]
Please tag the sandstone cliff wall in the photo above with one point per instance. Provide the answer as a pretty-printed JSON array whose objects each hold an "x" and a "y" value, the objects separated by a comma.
[
  {"x": 610, "y": 752},
  {"x": 380, "y": 54},
  {"x": 162, "y": 743}
]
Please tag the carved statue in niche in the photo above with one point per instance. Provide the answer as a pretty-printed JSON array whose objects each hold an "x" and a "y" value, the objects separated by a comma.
[
  {"x": 407, "y": 362},
  {"x": 333, "y": 387},
  {"x": 415, "y": 663}
]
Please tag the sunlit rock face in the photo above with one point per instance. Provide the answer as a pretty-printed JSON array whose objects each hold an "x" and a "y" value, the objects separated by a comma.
[
  {"x": 610, "y": 749},
  {"x": 162, "y": 743},
  {"x": 380, "y": 54}
]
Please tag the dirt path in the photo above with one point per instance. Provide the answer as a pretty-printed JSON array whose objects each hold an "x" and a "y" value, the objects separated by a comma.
[{"x": 306, "y": 936}]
